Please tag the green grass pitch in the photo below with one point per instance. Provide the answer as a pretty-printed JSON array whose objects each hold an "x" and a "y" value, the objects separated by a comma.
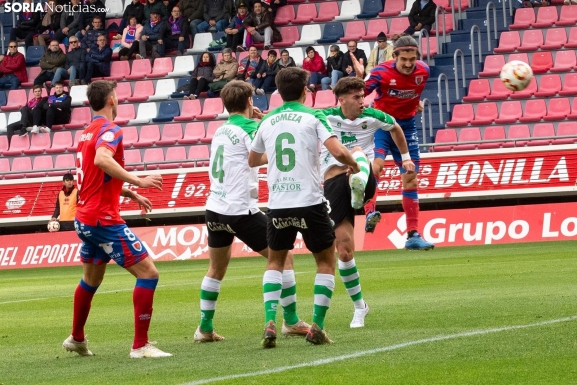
[{"x": 463, "y": 315}]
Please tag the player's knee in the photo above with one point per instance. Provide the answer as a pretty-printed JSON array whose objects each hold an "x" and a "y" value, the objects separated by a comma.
[{"x": 345, "y": 249}]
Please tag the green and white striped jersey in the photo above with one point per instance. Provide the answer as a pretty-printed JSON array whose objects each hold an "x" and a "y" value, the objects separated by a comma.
[
  {"x": 290, "y": 136},
  {"x": 233, "y": 184},
  {"x": 358, "y": 132}
]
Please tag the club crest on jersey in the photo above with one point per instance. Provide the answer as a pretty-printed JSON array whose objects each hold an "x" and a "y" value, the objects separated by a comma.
[
  {"x": 108, "y": 136},
  {"x": 137, "y": 246},
  {"x": 393, "y": 82},
  {"x": 364, "y": 126},
  {"x": 418, "y": 80}
]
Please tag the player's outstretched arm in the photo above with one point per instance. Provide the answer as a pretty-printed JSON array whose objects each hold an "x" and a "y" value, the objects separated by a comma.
[
  {"x": 358, "y": 67},
  {"x": 257, "y": 159},
  {"x": 105, "y": 161},
  {"x": 399, "y": 138},
  {"x": 341, "y": 153}
]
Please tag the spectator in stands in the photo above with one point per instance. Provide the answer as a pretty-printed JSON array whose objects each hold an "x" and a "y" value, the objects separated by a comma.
[
  {"x": 175, "y": 35},
  {"x": 202, "y": 76},
  {"x": 193, "y": 11},
  {"x": 334, "y": 67},
  {"x": 130, "y": 39},
  {"x": 285, "y": 60},
  {"x": 215, "y": 16},
  {"x": 316, "y": 66},
  {"x": 235, "y": 30},
  {"x": 258, "y": 27},
  {"x": 55, "y": 109},
  {"x": 98, "y": 10},
  {"x": 98, "y": 60},
  {"x": 53, "y": 59},
  {"x": 224, "y": 72},
  {"x": 26, "y": 119},
  {"x": 91, "y": 35},
  {"x": 33, "y": 112},
  {"x": 65, "y": 209},
  {"x": 249, "y": 66},
  {"x": 170, "y": 4},
  {"x": 26, "y": 26},
  {"x": 421, "y": 16},
  {"x": 69, "y": 22},
  {"x": 75, "y": 65},
  {"x": 12, "y": 68},
  {"x": 154, "y": 6},
  {"x": 49, "y": 24},
  {"x": 136, "y": 9},
  {"x": 359, "y": 54},
  {"x": 265, "y": 76},
  {"x": 382, "y": 52},
  {"x": 273, "y": 5},
  {"x": 151, "y": 34}
]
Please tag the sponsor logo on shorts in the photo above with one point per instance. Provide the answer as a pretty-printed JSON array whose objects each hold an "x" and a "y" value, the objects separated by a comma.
[
  {"x": 216, "y": 226},
  {"x": 282, "y": 223},
  {"x": 137, "y": 246}
]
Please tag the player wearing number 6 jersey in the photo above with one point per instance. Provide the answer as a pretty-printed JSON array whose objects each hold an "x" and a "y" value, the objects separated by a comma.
[
  {"x": 355, "y": 126},
  {"x": 289, "y": 135},
  {"x": 231, "y": 210},
  {"x": 105, "y": 236}
]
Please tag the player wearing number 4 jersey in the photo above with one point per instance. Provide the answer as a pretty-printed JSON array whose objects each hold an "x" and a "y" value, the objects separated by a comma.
[
  {"x": 290, "y": 135},
  {"x": 355, "y": 126},
  {"x": 231, "y": 210},
  {"x": 104, "y": 235}
]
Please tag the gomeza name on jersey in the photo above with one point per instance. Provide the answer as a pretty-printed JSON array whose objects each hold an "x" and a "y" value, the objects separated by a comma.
[{"x": 403, "y": 94}]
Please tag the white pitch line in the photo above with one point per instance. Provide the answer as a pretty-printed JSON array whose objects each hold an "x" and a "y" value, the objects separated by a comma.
[{"x": 330, "y": 360}]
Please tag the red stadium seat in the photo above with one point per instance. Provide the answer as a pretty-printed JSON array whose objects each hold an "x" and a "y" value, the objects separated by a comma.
[
  {"x": 123, "y": 91},
  {"x": 118, "y": 70},
  {"x": 527, "y": 92},
  {"x": 4, "y": 166},
  {"x": 510, "y": 112},
  {"x": 572, "y": 38},
  {"x": 354, "y": 32},
  {"x": 309, "y": 100},
  {"x": 542, "y": 130},
  {"x": 519, "y": 132},
  {"x": 392, "y": 8},
  {"x": 284, "y": 15},
  {"x": 142, "y": 91},
  {"x": 499, "y": 91},
  {"x": 438, "y": 30},
  {"x": 375, "y": 27},
  {"x": 532, "y": 41},
  {"x": 567, "y": 17},
  {"x": 22, "y": 164},
  {"x": 541, "y": 62},
  {"x": 555, "y": 38},
  {"x": 193, "y": 132},
  {"x": 81, "y": 117},
  {"x": 129, "y": 136},
  {"x": 275, "y": 101},
  {"x": 486, "y": 114},
  {"x": 518, "y": 56},
  {"x": 470, "y": 134},
  {"x": 162, "y": 67},
  {"x": 125, "y": 114},
  {"x": 565, "y": 61},
  {"x": 398, "y": 25},
  {"x": 546, "y": 17},
  {"x": 149, "y": 135},
  {"x": 33, "y": 73},
  {"x": 493, "y": 65},
  {"x": 325, "y": 99},
  {"x": 566, "y": 129},
  {"x": 479, "y": 89},
  {"x": 210, "y": 130},
  {"x": 152, "y": 156},
  {"x": 448, "y": 135},
  {"x": 305, "y": 13},
  {"x": 141, "y": 68},
  {"x": 133, "y": 160},
  {"x": 492, "y": 133},
  {"x": 189, "y": 111},
  {"x": 3, "y": 144},
  {"x": 558, "y": 109},
  {"x": 573, "y": 114},
  {"x": 17, "y": 145},
  {"x": 16, "y": 99},
  {"x": 289, "y": 36},
  {"x": 171, "y": 134},
  {"x": 77, "y": 136},
  {"x": 569, "y": 84},
  {"x": 199, "y": 152},
  {"x": 38, "y": 144},
  {"x": 43, "y": 163},
  {"x": 534, "y": 111},
  {"x": 176, "y": 154},
  {"x": 462, "y": 115},
  {"x": 211, "y": 109},
  {"x": 64, "y": 163},
  {"x": 328, "y": 11},
  {"x": 524, "y": 17},
  {"x": 61, "y": 142},
  {"x": 549, "y": 85}
]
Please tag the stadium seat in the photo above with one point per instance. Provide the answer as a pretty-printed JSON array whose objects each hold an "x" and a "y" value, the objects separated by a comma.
[
  {"x": 190, "y": 110},
  {"x": 566, "y": 129},
  {"x": 17, "y": 145},
  {"x": 321, "y": 51},
  {"x": 572, "y": 38},
  {"x": 31, "y": 94},
  {"x": 398, "y": 25},
  {"x": 176, "y": 154},
  {"x": 354, "y": 32},
  {"x": 297, "y": 54},
  {"x": 33, "y": 73},
  {"x": 3, "y": 122},
  {"x": 449, "y": 27},
  {"x": 33, "y": 54},
  {"x": 469, "y": 134},
  {"x": 532, "y": 41},
  {"x": 349, "y": 9},
  {"x": 41, "y": 165},
  {"x": 462, "y": 115},
  {"x": 274, "y": 102},
  {"x": 567, "y": 17},
  {"x": 524, "y": 18},
  {"x": 14, "y": 117},
  {"x": 118, "y": 70},
  {"x": 133, "y": 160},
  {"x": 558, "y": 109},
  {"x": 77, "y": 135},
  {"x": 520, "y": 131},
  {"x": 534, "y": 111},
  {"x": 260, "y": 101},
  {"x": 123, "y": 91},
  {"x": 332, "y": 33},
  {"x": 289, "y": 36},
  {"x": 193, "y": 132},
  {"x": 432, "y": 50},
  {"x": 309, "y": 101},
  {"x": 392, "y": 8},
  {"x": 327, "y": 12},
  {"x": 141, "y": 68},
  {"x": 492, "y": 65},
  {"x": 4, "y": 167},
  {"x": 305, "y": 13},
  {"x": 129, "y": 136},
  {"x": 448, "y": 135},
  {"x": 555, "y": 38},
  {"x": 310, "y": 33},
  {"x": 546, "y": 17},
  {"x": 3, "y": 144},
  {"x": 565, "y": 61},
  {"x": 541, "y": 62},
  {"x": 182, "y": 66},
  {"x": 199, "y": 152},
  {"x": 492, "y": 133},
  {"x": 151, "y": 158},
  {"x": 171, "y": 133},
  {"x": 125, "y": 113},
  {"x": 81, "y": 117},
  {"x": 510, "y": 112},
  {"x": 149, "y": 135},
  {"x": 38, "y": 144},
  {"x": 164, "y": 88},
  {"x": 284, "y": 15},
  {"x": 201, "y": 43},
  {"x": 549, "y": 85},
  {"x": 212, "y": 108},
  {"x": 569, "y": 85},
  {"x": 2, "y": 98},
  {"x": 371, "y": 9},
  {"x": 167, "y": 111},
  {"x": 61, "y": 142},
  {"x": 63, "y": 164},
  {"x": 527, "y": 92},
  {"x": 162, "y": 67},
  {"x": 210, "y": 130},
  {"x": 478, "y": 90},
  {"x": 542, "y": 130},
  {"x": 508, "y": 41},
  {"x": 325, "y": 99},
  {"x": 16, "y": 100},
  {"x": 146, "y": 112},
  {"x": 375, "y": 27},
  {"x": 486, "y": 114},
  {"x": 21, "y": 164},
  {"x": 78, "y": 95}
]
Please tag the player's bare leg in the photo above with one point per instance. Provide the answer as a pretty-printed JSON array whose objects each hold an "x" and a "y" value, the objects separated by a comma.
[{"x": 323, "y": 292}]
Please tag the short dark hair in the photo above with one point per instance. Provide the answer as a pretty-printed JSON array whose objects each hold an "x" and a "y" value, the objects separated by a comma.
[
  {"x": 97, "y": 17},
  {"x": 98, "y": 92},
  {"x": 284, "y": 51},
  {"x": 68, "y": 176},
  {"x": 291, "y": 83},
  {"x": 309, "y": 48},
  {"x": 347, "y": 84},
  {"x": 36, "y": 86},
  {"x": 405, "y": 44},
  {"x": 272, "y": 52},
  {"x": 59, "y": 83},
  {"x": 235, "y": 95}
]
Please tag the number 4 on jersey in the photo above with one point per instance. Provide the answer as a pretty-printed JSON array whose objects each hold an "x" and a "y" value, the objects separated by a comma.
[{"x": 218, "y": 164}]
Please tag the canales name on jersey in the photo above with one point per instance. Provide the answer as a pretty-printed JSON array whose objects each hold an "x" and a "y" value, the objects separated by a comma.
[{"x": 358, "y": 132}]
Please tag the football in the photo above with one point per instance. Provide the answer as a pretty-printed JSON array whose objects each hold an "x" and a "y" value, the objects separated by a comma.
[
  {"x": 53, "y": 226},
  {"x": 516, "y": 75}
]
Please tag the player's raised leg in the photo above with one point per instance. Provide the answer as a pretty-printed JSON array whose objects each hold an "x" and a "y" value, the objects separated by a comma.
[{"x": 358, "y": 181}]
